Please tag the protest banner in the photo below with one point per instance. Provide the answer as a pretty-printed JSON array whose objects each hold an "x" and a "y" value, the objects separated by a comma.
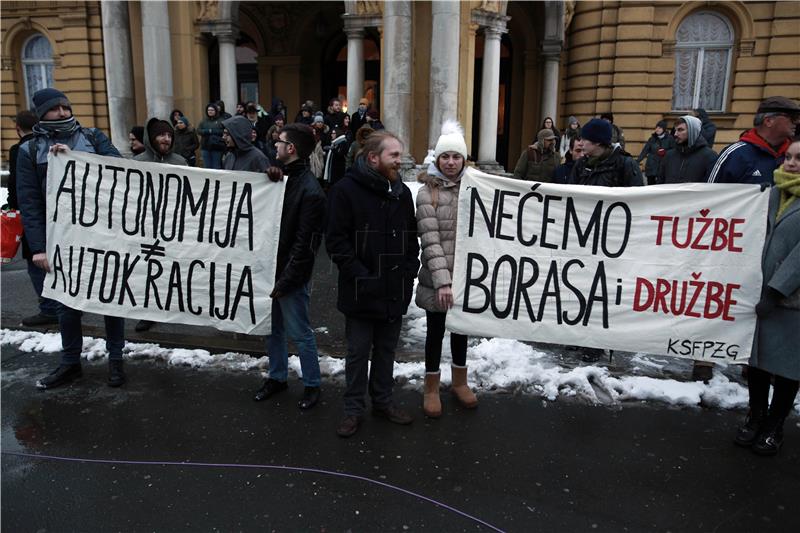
[
  {"x": 160, "y": 242},
  {"x": 669, "y": 270}
]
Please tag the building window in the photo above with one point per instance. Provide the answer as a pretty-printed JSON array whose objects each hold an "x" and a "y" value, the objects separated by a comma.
[
  {"x": 37, "y": 65},
  {"x": 703, "y": 50}
]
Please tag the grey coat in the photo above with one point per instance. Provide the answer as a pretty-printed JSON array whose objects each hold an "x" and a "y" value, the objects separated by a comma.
[
  {"x": 245, "y": 156},
  {"x": 149, "y": 154},
  {"x": 777, "y": 342},
  {"x": 436, "y": 226}
]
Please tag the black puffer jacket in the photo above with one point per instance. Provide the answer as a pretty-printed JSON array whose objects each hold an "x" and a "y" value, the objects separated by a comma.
[
  {"x": 372, "y": 237},
  {"x": 616, "y": 169},
  {"x": 302, "y": 226},
  {"x": 684, "y": 164}
]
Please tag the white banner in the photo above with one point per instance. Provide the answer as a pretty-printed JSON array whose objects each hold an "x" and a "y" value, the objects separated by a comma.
[
  {"x": 164, "y": 243},
  {"x": 669, "y": 270}
]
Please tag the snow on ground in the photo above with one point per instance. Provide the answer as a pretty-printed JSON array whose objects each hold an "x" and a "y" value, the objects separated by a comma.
[{"x": 501, "y": 365}]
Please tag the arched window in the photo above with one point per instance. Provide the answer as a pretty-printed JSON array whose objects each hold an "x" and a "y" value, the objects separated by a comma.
[
  {"x": 37, "y": 65},
  {"x": 703, "y": 50}
]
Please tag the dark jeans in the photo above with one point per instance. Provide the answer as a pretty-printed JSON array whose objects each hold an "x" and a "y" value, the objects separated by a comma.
[
  {"x": 782, "y": 397},
  {"x": 46, "y": 305},
  {"x": 433, "y": 343},
  {"x": 72, "y": 335},
  {"x": 381, "y": 338}
]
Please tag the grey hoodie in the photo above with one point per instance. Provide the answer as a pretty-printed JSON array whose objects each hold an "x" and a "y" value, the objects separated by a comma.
[
  {"x": 151, "y": 155},
  {"x": 245, "y": 156},
  {"x": 693, "y": 125}
]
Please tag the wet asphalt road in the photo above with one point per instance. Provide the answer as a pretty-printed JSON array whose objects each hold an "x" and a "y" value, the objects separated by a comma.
[{"x": 516, "y": 463}]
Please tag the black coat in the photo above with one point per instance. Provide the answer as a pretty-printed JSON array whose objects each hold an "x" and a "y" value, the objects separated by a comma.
[
  {"x": 617, "y": 170},
  {"x": 685, "y": 164},
  {"x": 372, "y": 237},
  {"x": 302, "y": 226},
  {"x": 650, "y": 150},
  {"x": 13, "y": 203}
]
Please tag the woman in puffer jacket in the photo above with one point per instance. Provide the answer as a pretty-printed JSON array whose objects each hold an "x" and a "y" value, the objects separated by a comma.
[{"x": 437, "y": 208}]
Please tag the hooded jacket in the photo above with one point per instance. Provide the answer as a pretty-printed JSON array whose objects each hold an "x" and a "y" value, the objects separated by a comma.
[
  {"x": 751, "y": 160},
  {"x": 708, "y": 130},
  {"x": 536, "y": 164},
  {"x": 245, "y": 156},
  {"x": 186, "y": 143},
  {"x": 650, "y": 151},
  {"x": 150, "y": 154},
  {"x": 690, "y": 162},
  {"x": 615, "y": 168},
  {"x": 372, "y": 237},
  {"x": 437, "y": 213},
  {"x": 302, "y": 224},
  {"x": 210, "y": 130}
]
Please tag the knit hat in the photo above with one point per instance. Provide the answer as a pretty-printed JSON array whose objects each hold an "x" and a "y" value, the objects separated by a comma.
[
  {"x": 363, "y": 101},
  {"x": 46, "y": 99},
  {"x": 318, "y": 118},
  {"x": 156, "y": 128},
  {"x": 572, "y": 120},
  {"x": 545, "y": 134},
  {"x": 597, "y": 131},
  {"x": 451, "y": 140}
]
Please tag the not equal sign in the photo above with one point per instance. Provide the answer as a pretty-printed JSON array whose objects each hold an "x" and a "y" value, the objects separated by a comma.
[{"x": 153, "y": 250}]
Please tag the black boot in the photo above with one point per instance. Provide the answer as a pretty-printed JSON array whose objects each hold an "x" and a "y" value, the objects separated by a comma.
[
  {"x": 770, "y": 440},
  {"x": 747, "y": 432},
  {"x": 40, "y": 319},
  {"x": 65, "y": 373},
  {"x": 143, "y": 325},
  {"x": 116, "y": 373},
  {"x": 269, "y": 388},
  {"x": 309, "y": 399}
]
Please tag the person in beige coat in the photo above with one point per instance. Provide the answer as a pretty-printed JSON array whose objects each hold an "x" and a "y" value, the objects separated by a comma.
[{"x": 437, "y": 208}]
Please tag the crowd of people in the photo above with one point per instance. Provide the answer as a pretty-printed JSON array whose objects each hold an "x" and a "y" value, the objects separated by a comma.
[{"x": 343, "y": 182}]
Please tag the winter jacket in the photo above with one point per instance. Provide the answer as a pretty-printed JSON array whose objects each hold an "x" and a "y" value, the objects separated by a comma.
[
  {"x": 617, "y": 136},
  {"x": 562, "y": 172},
  {"x": 708, "y": 129},
  {"x": 777, "y": 335},
  {"x": 186, "y": 143},
  {"x": 357, "y": 120},
  {"x": 32, "y": 176},
  {"x": 437, "y": 212},
  {"x": 372, "y": 237},
  {"x": 751, "y": 160},
  {"x": 615, "y": 168},
  {"x": 536, "y": 165},
  {"x": 13, "y": 201},
  {"x": 150, "y": 154},
  {"x": 302, "y": 224},
  {"x": 335, "y": 120},
  {"x": 650, "y": 150},
  {"x": 685, "y": 163},
  {"x": 335, "y": 160},
  {"x": 210, "y": 130},
  {"x": 245, "y": 156}
]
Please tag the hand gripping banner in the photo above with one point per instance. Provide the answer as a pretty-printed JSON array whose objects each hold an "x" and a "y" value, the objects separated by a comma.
[
  {"x": 668, "y": 270},
  {"x": 160, "y": 242}
]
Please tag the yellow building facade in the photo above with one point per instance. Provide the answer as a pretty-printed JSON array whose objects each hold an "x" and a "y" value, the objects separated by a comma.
[{"x": 498, "y": 67}]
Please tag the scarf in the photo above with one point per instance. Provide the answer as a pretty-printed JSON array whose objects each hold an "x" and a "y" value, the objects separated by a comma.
[
  {"x": 789, "y": 185},
  {"x": 68, "y": 125}
]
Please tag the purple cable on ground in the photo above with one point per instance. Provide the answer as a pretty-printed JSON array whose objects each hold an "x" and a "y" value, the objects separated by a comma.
[{"x": 269, "y": 467}]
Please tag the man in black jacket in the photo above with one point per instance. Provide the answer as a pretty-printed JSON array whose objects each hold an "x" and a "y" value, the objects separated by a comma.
[
  {"x": 372, "y": 237},
  {"x": 301, "y": 231},
  {"x": 691, "y": 160}
]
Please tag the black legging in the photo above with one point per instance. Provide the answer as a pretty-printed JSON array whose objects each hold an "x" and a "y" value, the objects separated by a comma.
[
  {"x": 782, "y": 398},
  {"x": 433, "y": 343}
]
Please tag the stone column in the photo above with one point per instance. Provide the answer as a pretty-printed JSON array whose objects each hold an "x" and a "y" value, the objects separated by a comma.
[
  {"x": 228, "y": 85},
  {"x": 446, "y": 29},
  {"x": 397, "y": 71},
  {"x": 551, "y": 54},
  {"x": 119, "y": 72},
  {"x": 157, "y": 56},
  {"x": 490, "y": 95},
  {"x": 355, "y": 67}
]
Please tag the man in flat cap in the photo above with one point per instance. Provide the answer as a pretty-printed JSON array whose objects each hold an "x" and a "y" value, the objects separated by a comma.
[{"x": 760, "y": 150}]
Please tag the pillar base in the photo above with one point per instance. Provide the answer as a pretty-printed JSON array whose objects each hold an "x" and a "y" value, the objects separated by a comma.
[
  {"x": 408, "y": 168},
  {"x": 492, "y": 167}
]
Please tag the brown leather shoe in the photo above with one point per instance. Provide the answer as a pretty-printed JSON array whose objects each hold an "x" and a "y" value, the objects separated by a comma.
[
  {"x": 348, "y": 426},
  {"x": 393, "y": 415}
]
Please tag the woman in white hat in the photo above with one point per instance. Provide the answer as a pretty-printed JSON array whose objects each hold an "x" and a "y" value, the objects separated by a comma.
[{"x": 437, "y": 208}]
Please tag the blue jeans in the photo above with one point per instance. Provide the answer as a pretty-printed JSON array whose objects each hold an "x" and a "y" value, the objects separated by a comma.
[
  {"x": 212, "y": 158},
  {"x": 72, "y": 335},
  {"x": 290, "y": 318},
  {"x": 46, "y": 305}
]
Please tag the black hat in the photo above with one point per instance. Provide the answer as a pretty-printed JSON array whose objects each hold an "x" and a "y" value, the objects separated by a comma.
[{"x": 46, "y": 99}]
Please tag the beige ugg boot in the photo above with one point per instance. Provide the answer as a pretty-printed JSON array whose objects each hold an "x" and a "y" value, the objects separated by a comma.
[
  {"x": 431, "y": 404},
  {"x": 460, "y": 388}
]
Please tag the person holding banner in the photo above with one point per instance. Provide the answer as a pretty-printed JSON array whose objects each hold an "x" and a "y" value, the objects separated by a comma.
[
  {"x": 775, "y": 357},
  {"x": 58, "y": 131},
  {"x": 437, "y": 208},
  {"x": 372, "y": 237},
  {"x": 301, "y": 232}
]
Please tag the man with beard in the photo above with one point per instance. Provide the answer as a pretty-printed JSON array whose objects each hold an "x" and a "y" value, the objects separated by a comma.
[
  {"x": 372, "y": 237},
  {"x": 58, "y": 131}
]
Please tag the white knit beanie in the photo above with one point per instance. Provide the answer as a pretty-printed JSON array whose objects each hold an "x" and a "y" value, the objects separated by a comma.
[{"x": 451, "y": 140}]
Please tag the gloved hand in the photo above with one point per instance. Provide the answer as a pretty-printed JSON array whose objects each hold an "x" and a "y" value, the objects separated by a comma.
[{"x": 275, "y": 174}]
